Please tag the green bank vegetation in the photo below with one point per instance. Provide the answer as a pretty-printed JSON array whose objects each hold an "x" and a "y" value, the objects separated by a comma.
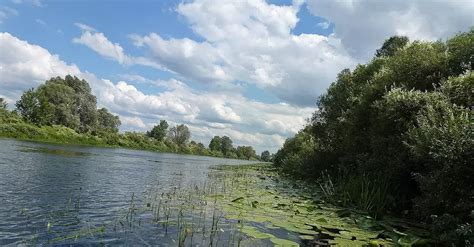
[
  {"x": 65, "y": 111},
  {"x": 395, "y": 136}
]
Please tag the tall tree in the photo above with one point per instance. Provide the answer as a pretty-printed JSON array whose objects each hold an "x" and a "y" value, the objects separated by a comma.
[
  {"x": 226, "y": 145},
  {"x": 179, "y": 134},
  {"x": 3, "y": 104},
  {"x": 28, "y": 106},
  {"x": 159, "y": 131},
  {"x": 265, "y": 156},
  {"x": 107, "y": 121},
  {"x": 215, "y": 144},
  {"x": 85, "y": 103},
  {"x": 392, "y": 45},
  {"x": 57, "y": 104}
]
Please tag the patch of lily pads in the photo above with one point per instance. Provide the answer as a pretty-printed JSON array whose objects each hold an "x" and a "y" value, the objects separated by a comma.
[{"x": 255, "y": 195}]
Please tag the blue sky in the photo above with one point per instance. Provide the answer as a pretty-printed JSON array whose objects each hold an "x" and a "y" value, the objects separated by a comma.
[{"x": 251, "y": 70}]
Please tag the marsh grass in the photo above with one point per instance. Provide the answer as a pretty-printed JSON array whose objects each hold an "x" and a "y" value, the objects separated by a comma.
[{"x": 370, "y": 193}]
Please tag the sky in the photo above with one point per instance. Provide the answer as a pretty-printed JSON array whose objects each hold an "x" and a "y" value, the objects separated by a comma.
[{"x": 251, "y": 70}]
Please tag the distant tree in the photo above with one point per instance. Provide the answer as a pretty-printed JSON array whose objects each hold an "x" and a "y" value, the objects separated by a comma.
[
  {"x": 392, "y": 45},
  {"x": 159, "y": 131},
  {"x": 28, "y": 106},
  {"x": 3, "y": 104},
  {"x": 265, "y": 156},
  {"x": 246, "y": 152},
  {"x": 107, "y": 121},
  {"x": 215, "y": 144},
  {"x": 226, "y": 145},
  {"x": 179, "y": 134}
]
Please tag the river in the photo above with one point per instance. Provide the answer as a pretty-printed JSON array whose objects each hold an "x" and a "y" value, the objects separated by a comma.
[{"x": 63, "y": 194}]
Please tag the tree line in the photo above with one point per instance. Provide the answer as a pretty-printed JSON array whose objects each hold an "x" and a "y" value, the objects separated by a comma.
[
  {"x": 65, "y": 110},
  {"x": 396, "y": 136}
]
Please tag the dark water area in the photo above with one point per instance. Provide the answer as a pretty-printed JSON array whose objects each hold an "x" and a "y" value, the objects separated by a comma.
[{"x": 60, "y": 195}]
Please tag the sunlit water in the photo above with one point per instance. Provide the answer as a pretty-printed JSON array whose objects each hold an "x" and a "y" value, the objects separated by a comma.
[{"x": 56, "y": 194}]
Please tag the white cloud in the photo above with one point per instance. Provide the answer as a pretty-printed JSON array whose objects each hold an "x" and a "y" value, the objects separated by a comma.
[
  {"x": 100, "y": 44},
  {"x": 97, "y": 41},
  {"x": 247, "y": 122},
  {"x": 23, "y": 65},
  {"x": 251, "y": 41},
  {"x": 244, "y": 41},
  {"x": 363, "y": 25}
]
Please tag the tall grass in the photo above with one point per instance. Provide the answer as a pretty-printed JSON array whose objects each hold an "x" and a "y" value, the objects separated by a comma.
[{"x": 370, "y": 193}]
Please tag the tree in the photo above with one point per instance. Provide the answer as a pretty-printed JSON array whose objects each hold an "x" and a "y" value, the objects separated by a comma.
[
  {"x": 28, "y": 106},
  {"x": 159, "y": 131},
  {"x": 215, "y": 144},
  {"x": 226, "y": 145},
  {"x": 179, "y": 134},
  {"x": 57, "y": 104},
  {"x": 246, "y": 152},
  {"x": 265, "y": 156},
  {"x": 107, "y": 121},
  {"x": 3, "y": 104},
  {"x": 392, "y": 45},
  {"x": 85, "y": 103},
  {"x": 68, "y": 102},
  {"x": 461, "y": 52}
]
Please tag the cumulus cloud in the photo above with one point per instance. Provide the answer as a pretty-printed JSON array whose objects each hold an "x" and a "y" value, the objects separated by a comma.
[
  {"x": 207, "y": 113},
  {"x": 251, "y": 41},
  {"x": 364, "y": 24},
  {"x": 23, "y": 65},
  {"x": 244, "y": 41}
]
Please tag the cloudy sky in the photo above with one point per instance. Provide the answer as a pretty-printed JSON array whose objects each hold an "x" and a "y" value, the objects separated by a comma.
[{"x": 251, "y": 70}]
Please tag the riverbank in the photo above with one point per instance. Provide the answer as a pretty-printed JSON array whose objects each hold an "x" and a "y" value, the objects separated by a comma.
[{"x": 58, "y": 134}]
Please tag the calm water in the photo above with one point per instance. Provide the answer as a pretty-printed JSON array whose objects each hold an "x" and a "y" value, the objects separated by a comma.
[{"x": 52, "y": 194}]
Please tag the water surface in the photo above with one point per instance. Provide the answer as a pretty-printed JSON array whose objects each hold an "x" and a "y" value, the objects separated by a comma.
[{"x": 55, "y": 194}]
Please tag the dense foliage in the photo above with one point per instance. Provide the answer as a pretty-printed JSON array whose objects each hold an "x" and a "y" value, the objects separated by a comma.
[
  {"x": 65, "y": 111},
  {"x": 223, "y": 146},
  {"x": 396, "y": 135}
]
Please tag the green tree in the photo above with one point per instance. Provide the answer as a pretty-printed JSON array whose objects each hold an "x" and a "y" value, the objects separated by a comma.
[
  {"x": 246, "y": 152},
  {"x": 226, "y": 145},
  {"x": 460, "y": 51},
  {"x": 265, "y": 156},
  {"x": 179, "y": 134},
  {"x": 107, "y": 121},
  {"x": 68, "y": 102},
  {"x": 159, "y": 131},
  {"x": 392, "y": 45},
  {"x": 85, "y": 103},
  {"x": 28, "y": 106},
  {"x": 57, "y": 104},
  {"x": 460, "y": 89},
  {"x": 3, "y": 104},
  {"x": 215, "y": 144}
]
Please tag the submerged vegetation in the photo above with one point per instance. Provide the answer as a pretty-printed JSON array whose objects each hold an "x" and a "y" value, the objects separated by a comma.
[
  {"x": 65, "y": 111},
  {"x": 395, "y": 136}
]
